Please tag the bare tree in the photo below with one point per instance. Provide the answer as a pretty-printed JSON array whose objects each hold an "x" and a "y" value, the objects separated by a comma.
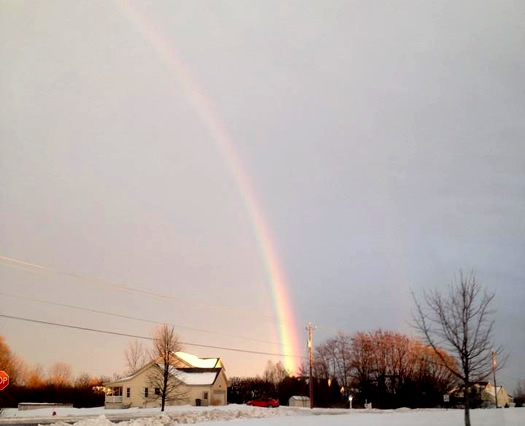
[
  {"x": 60, "y": 374},
  {"x": 163, "y": 377},
  {"x": 136, "y": 357},
  {"x": 333, "y": 359},
  {"x": 35, "y": 376},
  {"x": 11, "y": 363},
  {"x": 462, "y": 323},
  {"x": 323, "y": 367},
  {"x": 519, "y": 393},
  {"x": 275, "y": 373},
  {"x": 340, "y": 347},
  {"x": 388, "y": 367},
  {"x": 85, "y": 381}
]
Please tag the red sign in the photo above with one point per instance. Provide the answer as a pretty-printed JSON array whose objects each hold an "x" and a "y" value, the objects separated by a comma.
[{"x": 4, "y": 380}]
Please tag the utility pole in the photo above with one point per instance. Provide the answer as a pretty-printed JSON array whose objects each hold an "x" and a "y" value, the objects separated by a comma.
[
  {"x": 310, "y": 357},
  {"x": 494, "y": 364}
]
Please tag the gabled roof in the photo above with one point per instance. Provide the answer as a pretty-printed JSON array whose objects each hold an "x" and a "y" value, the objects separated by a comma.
[
  {"x": 200, "y": 371},
  {"x": 195, "y": 376},
  {"x": 198, "y": 376},
  {"x": 189, "y": 376},
  {"x": 135, "y": 374},
  {"x": 194, "y": 361},
  {"x": 491, "y": 390},
  {"x": 299, "y": 398}
]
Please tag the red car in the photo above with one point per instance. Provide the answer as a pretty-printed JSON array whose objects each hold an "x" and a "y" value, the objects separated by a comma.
[{"x": 264, "y": 402}]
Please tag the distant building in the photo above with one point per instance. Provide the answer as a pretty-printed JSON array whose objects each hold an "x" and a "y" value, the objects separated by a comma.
[
  {"x": 483, "y": 395},
  {"x": 489, "y": 399},
  {"x": 299, "y": 401},
  {"x": 202, "y": 381}
]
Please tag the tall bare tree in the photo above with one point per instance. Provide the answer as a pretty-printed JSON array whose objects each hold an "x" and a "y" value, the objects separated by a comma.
[
  {"x": 519, "y": 393},
  {"x": 324, "y": 363},
  {"x": 11, "y": 363},
  {"x": 136, "y": 357},
  {"x": 460, "y": 321},
  {"x": 274, "y": 373},
  {"x": 60, "y": 374},
  {"x": 163, "y": 376},
  {"x": 333, "y": 359},
  {"x": 35, "y": 376}
]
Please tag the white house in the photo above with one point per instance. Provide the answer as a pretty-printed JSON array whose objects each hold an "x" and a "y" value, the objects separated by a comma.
[
  {"x": 488, "y": 395},
  {"x": 202, "y": 381}
]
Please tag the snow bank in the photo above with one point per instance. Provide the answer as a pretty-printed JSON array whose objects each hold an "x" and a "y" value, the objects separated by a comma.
[
  {"x": 175, "y": 414},
  {"x": 243, "y": 415},
  {"x": 69, "y": 411}
]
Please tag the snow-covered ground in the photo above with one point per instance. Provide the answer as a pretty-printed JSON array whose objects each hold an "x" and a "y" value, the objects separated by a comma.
[{"x": 254, "y": 416}]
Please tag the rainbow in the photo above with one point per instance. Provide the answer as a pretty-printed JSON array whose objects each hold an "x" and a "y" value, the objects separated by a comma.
[{"x": 287, "y": 330}]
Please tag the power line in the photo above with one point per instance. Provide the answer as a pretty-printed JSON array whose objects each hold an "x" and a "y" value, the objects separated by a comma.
[
  {"x": 116, "y": 333},
  {"x": 46, "y": 270},
  {"x": 129, "y": 317}
]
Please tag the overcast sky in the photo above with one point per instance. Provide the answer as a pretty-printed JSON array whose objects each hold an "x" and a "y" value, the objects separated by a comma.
[{"x": 383, "y": 141}]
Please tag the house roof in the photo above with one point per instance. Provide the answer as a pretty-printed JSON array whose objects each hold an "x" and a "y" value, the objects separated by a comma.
[
  {"x": 195, "y": 361},
  {"x": 198, "y": 376},
  {"x": 491, "y": 390},
  {"x": 195, "y": 376},
  {"x": 189, "y": 376},
  {"x": 299, "y": 398},
  {"x": 201, "y": 371},
  {"x": 124, "y": 379}
]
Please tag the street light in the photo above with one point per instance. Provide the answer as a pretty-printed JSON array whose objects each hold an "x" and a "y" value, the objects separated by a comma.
[{"x": 350, "y": 401}]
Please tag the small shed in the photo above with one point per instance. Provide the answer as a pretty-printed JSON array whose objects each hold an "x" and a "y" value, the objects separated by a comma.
[{"x": 299, "y": 401}]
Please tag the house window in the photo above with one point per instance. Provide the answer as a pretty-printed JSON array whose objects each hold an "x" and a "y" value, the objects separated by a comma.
[
  {"x": 205, "y": 395},
  {"x": 128, "y": 392},
  {"x": 145, "y": 392},
  {"x": 116, "y": 391},
  {"x": 157, "y": 391}
]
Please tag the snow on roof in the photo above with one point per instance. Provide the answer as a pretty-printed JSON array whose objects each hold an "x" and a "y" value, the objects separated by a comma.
[
  {"x": 117, "y": 381},
  {"x": 195, "y": 376},
  {"x": 123, "y": 379},
  {"x": 192, "y": 378},
  {"x": 195, "y": 361}
]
